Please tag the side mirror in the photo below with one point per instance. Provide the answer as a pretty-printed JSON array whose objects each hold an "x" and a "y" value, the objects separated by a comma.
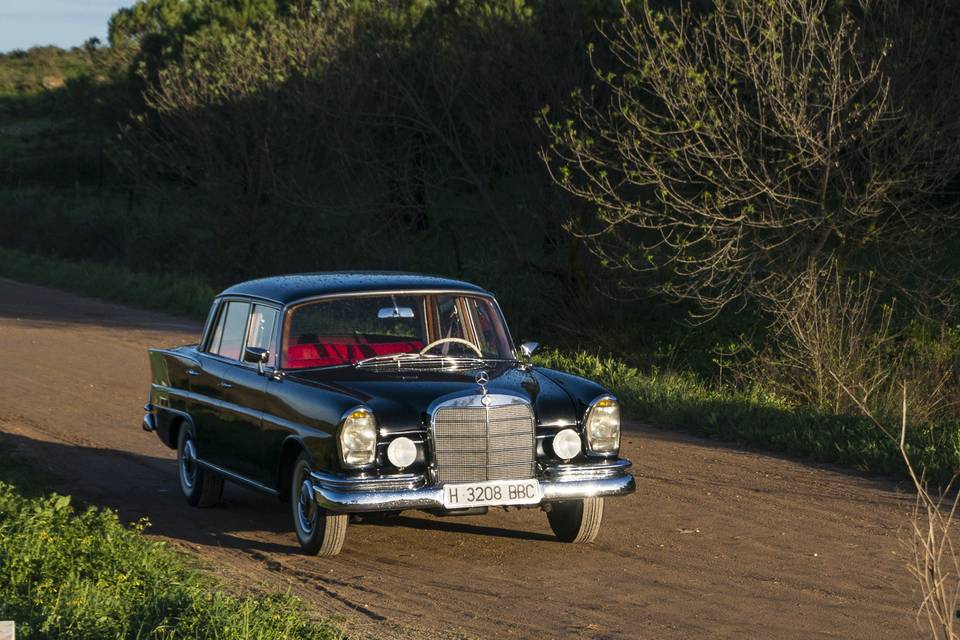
[
  {"x": 527, "y": 348},
  {"x": 258, "y": 355}
]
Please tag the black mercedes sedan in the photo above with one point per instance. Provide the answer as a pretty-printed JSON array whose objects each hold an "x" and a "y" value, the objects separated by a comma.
[{"x": 380, "y": 392}]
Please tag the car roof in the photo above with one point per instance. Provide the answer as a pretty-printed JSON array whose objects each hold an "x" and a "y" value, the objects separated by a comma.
[{"x": 298, "y": 286}]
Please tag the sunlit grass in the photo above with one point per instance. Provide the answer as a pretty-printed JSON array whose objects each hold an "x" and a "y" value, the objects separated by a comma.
[
  {"x": 755, "y": 417},
  {"x": 69, "y": 572}
]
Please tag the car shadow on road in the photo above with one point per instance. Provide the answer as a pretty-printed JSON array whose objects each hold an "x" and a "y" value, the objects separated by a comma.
[
  {"x": 453, "y": 524},
  {"x": 141, "y": 486}
]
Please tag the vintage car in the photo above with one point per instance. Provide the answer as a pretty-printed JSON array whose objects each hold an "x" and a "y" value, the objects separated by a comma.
[{"x": 351, "y": 393}]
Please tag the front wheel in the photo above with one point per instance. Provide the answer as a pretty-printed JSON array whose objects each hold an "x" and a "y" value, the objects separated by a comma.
[
  {"x": 576, "y": 521},
  {"x": 320, "y": 532},
  {"x": 200, "y": 487}
]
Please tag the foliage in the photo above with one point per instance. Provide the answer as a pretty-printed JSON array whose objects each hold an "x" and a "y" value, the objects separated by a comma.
[
  {"x": 758, "y": 153},
  {"x": 743, "y": 144},
  {"x": 72, "y": 574},
  {"x": 757, "y": 417},
  {"x": 383, "y": 112}
]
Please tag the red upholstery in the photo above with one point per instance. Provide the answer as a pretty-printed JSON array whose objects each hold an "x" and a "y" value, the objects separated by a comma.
[
  {"x": 390, "y": 348},
  {"x": 334, "y": 350}
]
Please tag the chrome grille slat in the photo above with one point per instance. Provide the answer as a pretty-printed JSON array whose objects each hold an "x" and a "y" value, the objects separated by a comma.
[{"x": 473, "y": 442}]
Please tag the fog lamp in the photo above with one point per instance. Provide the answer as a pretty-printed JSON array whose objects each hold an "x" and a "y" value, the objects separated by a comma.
[
  {"x": 566, "y": 444},
  {"x": 402, "y": 452}
]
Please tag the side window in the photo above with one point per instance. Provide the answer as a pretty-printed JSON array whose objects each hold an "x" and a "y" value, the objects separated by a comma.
[
  {"x": 228, "y": 336},
  {"x": 263, "y": 322},
  {"x": 208, "y": 326}
]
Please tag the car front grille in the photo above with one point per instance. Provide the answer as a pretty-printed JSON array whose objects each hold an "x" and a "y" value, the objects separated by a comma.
[{"x": 473, "y": 442}]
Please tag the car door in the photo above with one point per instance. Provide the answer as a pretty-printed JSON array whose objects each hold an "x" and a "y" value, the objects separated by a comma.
[
  {"x": 205, "y": 390},
  {"x": 242, "y": 431},
  {"x": 232, "y": 392}
]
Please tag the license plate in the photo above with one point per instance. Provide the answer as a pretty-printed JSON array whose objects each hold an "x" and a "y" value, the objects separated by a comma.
[{"x": 492, "y": 493}]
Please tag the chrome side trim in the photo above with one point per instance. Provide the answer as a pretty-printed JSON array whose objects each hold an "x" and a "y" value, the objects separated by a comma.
[
  {"x": 270, "y": 419},
  {"x": 236, "y": 477}
]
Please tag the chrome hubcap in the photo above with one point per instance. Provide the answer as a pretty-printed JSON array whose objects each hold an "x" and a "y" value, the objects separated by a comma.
[
  {"x": 306, "y": 507},
  {"x": 188, "y": 465}
]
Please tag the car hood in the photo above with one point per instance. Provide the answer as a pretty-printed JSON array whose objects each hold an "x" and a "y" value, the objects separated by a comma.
[{"x": 400, "y": 399}]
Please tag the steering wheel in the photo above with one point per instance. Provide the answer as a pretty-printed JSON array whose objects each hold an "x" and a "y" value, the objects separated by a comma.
[{"x": 451, "y": 341}]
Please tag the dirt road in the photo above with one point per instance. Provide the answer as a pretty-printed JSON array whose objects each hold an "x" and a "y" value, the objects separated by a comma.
[{"x": 717, "y": 542}]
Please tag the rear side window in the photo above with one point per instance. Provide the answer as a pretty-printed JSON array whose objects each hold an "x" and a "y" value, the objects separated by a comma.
[
  {"x": 228, "y": 336},
  {"x": 263, "y": 323}
]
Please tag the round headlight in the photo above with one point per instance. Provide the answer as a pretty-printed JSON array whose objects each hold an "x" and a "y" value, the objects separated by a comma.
[
  {"x": 566, "y": 444},
  {"x": 358, "y": 438},
  {"x": 603, "y": 426},
  {"x": 402, "y": 452}
]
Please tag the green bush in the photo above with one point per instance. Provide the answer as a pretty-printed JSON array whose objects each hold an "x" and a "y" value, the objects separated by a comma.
[
  {"x": 81, "y": 574},
  {"x": 756, "y": 417}
]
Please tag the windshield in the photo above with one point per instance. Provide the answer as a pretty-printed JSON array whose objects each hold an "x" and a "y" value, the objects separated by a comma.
[{"x": 348, "y": 330}]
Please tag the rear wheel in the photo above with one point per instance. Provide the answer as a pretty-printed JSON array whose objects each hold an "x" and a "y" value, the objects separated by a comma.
[
  {"x": 320, "y": 532},
  {"x": 576, "y": 521},
  {"x": 200, "y": 487}
]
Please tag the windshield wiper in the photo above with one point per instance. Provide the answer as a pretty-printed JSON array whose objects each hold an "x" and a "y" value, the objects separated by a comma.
[
  {"x": 418, "y": 361},
  {"x": 393, "y": 357}
]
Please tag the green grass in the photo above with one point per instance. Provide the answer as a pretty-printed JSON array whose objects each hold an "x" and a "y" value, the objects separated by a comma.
[
  {"x": 173, "y": 294},
  {"x": 79, "y": 573},
  {"x": 753, "y": 417},
  {"x": 68, "y": 574}
]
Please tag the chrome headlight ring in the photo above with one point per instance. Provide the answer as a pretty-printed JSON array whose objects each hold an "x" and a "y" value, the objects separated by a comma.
[
  {"x": 601, "y": 426},
  {"x": 357, "y": 438}
]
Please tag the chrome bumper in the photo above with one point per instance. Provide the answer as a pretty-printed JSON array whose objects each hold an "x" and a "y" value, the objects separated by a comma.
[{"x": 411, "y": 491}]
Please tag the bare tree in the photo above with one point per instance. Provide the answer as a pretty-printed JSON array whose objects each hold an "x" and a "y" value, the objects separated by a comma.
[
  {"x": 740, "y": 145},
  {"x": 936, "y": 565}
]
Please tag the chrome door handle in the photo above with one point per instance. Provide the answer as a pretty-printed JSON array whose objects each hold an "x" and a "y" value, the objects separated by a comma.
[
  {"x": 192, "y": 372},
  {"x": 225, "y": 384}
]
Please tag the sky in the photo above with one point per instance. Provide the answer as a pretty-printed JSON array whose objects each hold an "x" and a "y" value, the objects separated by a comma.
[{"x": 65, "y": 23}]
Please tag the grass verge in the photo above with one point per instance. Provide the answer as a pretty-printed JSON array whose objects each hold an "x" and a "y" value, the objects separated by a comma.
[
  {"x": 757, "y": 418},
  {"x": 172, "y": 294},
  {"x": 72, "y": 573}
]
